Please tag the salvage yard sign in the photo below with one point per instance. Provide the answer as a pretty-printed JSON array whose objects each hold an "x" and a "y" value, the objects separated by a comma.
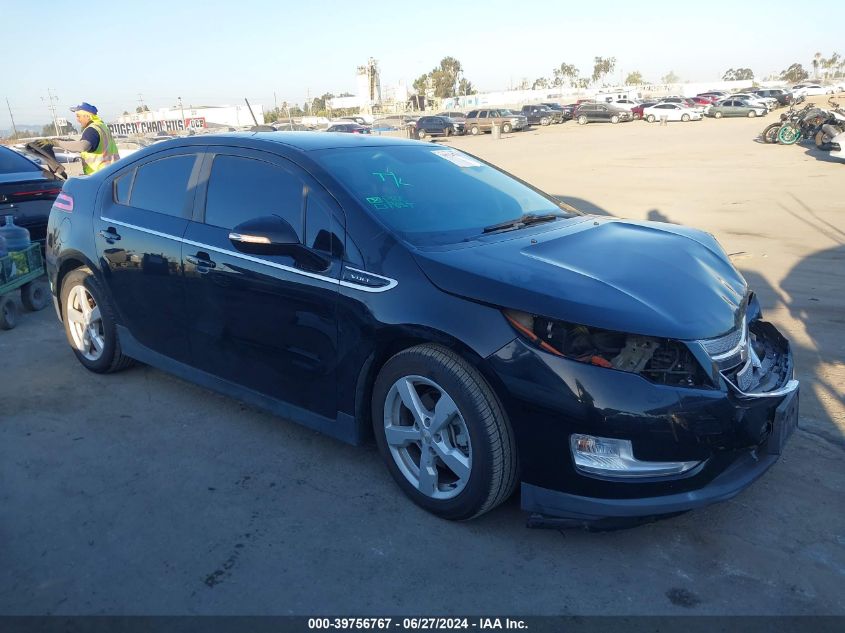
[{"x": 145, "y": 127}]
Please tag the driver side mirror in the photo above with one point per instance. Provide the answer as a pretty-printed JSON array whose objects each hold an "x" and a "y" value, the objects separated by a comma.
[{"x": 273, "y": 235}]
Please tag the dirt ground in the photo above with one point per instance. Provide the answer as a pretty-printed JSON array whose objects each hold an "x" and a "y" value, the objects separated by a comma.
[{"x": 139, "y": 493}]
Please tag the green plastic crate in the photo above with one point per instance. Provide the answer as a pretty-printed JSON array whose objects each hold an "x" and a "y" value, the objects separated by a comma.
[{"x": 18, "y": 265}]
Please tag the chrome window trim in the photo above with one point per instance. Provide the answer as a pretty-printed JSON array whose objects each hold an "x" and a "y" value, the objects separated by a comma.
[{"x": 392, "y": 283}]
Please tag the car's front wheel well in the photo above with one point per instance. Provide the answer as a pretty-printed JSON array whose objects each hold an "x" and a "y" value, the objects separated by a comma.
[{"x": 387, "y": 347}]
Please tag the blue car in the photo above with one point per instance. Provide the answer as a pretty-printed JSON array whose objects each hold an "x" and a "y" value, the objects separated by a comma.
[{"x": 485, "y": 335}]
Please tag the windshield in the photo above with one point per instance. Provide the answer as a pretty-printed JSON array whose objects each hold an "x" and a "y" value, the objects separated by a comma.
[
  {"x": 432, "y": 196},
  {"x": 11, "y": 162}
]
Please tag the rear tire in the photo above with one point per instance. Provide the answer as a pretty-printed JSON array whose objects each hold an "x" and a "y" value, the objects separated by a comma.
[
  {"x": 462, "y": 469},
  {"x": 8, "y": 313},
  {"x": 823, "y": 140},
  {"x": 89, "y": 323},
  {"x": 35, "y": 295}
]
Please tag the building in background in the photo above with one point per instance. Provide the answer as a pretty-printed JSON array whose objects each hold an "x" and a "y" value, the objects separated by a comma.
[{"x": 367, "y": 96}]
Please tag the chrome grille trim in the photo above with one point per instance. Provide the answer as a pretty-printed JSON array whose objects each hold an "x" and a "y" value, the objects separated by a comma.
[
  {"x": 727, "y": 344},
  {"x": 729, "y": 350}
]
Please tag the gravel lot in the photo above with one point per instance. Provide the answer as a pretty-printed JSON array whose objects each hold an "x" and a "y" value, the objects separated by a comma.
[{"x": 138, "y": 493}]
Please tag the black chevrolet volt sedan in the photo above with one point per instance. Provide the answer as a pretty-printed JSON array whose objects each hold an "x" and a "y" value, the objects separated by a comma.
[{"x": 487, "y": 335}]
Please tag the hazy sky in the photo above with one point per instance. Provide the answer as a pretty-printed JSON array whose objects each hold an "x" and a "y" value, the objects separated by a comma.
[{"x": 218, "y": 52}]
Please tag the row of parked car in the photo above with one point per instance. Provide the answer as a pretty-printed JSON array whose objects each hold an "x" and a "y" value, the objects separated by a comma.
[{"x": 715, "y": 103}]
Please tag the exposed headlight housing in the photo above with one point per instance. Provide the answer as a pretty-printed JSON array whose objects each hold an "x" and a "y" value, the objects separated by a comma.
[
  {"x": 663, "y": 361},
  {"x": 612, "y": 457}
]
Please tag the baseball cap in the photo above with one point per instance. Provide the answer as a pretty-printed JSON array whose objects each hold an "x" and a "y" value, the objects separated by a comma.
[{"x": 84, "y": 106}]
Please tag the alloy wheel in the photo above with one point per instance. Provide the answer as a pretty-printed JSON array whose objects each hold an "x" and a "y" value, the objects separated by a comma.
[
  {"x": 427, "y": 437},
  {"x": 85, "y": 323}
]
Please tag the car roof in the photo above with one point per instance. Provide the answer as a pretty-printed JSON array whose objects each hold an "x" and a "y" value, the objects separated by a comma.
[{"x": 301, "y": 141}]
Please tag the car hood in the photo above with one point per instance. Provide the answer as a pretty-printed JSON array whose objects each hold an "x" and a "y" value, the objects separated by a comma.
[{"x": 645, "y": 278}]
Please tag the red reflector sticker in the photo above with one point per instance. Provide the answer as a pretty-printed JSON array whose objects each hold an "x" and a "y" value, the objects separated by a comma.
[{"x": 64, "y": 202}]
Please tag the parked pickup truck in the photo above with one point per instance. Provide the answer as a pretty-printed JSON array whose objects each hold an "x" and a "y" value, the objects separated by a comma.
[{"x": 541, "y": 115}]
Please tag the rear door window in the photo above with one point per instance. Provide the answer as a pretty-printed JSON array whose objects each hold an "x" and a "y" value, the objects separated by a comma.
[
  {"x": 162, "y": 185},
  {"x": 242, "y": 189}
]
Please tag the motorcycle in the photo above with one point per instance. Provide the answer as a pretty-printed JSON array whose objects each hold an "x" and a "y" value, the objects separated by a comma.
[
  {"x": 831, "y": 128},
  {"x": 770, "y": 133},
  {"x": 804, "y": 127}
]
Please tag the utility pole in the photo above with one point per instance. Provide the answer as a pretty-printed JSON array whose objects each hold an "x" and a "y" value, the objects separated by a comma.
[
  {"x": 275, "y": 102},
  {"x": 14, "y": 128},
  {"x": 52, "y": 108}
]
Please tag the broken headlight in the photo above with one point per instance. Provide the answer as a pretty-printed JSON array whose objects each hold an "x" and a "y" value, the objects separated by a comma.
[{"x": 660, "y": 360}]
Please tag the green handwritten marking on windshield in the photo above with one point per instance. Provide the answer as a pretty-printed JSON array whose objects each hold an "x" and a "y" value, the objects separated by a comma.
[
  {"x": 389, "y": 202},
  {"x": 389, "y": 175}
]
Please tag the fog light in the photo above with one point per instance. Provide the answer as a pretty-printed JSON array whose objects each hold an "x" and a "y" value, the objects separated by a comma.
[{"x": 615, "y": 458}]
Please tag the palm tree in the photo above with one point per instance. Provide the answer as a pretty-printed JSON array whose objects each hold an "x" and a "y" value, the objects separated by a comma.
[{"x": 834, "y": 62}]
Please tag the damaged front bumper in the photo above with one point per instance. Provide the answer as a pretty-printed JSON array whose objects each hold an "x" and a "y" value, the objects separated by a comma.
[{"x": 725, "y": 436}]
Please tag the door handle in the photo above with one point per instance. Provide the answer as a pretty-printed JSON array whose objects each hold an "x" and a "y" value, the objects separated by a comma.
[
  {"x": 201, "y": 260},
  {"x": 111, "y": 236}
]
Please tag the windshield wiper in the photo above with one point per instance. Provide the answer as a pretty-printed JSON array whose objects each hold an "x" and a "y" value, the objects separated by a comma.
[{"x": 522, "y": 221}]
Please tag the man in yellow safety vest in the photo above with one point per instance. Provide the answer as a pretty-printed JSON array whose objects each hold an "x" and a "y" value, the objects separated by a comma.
[{"x": 96, "y": 147}]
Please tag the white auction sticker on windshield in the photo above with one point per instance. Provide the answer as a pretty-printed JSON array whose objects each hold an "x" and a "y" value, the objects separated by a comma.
[{"x": 461, "y": 160}]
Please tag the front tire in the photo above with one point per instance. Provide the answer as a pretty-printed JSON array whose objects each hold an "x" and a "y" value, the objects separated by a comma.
[
  {"x": 506, "y": 128},
  {"x": 443, "y": 433},
  {"x": 717, "y": 115},
  {"x": 582, "y": 120},
  {"x": 651, "y": 118},
  {"x": 421, "y": 134},
  {"x": 474, "y": 130},
  {"x": 752, "y": 114},
  {"x": 90, "y": 324},
  {"x": 789, "y": 134},
  {"x": 685, "y": 118},
  {"x": 545, "y": 121},
  {"x": 614, "y": 119},
  {"x": 770, "y": 134}
]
